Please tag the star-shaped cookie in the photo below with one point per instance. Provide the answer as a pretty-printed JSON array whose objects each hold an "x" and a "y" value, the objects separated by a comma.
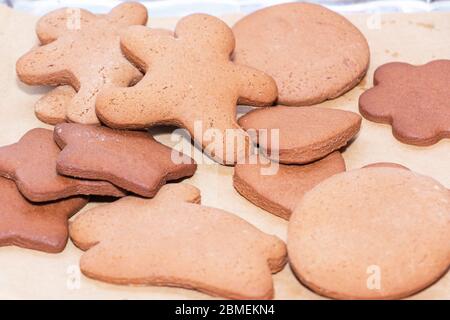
[
  {"x": 42, "y": 226},
  {"x": 82, "y": 50},
  {"x": 415, "y": 100},
  {"x": 132, "y": 160},
  {"x": 31, "y": 163},
  {"x": 189, "y": 82},
  {"x": 170, "y": 240}
]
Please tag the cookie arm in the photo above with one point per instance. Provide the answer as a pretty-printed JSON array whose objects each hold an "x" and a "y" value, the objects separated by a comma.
[
  {"x": 56, "y": 23},
  {"x": 43, "y": 66},
  {"x": 127, "y": 108},
  {"x": 255, "y": 87},
  {"x": 142, "y": 45}
]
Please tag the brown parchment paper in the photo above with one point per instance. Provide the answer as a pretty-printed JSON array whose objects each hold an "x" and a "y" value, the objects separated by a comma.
[{"x": 26, "y": 274}]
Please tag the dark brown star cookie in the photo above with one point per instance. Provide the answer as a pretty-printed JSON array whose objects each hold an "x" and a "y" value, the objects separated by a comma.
[
  {"x": 31, "y": 163},
  {"x": 132, "y": 160},
  {"x": 38, "y": 226}
]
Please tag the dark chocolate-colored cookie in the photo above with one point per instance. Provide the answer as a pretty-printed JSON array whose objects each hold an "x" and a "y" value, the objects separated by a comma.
[
  {"x": 132, "y": 160},
  {"x": 415, "y": 100},
  {"x": 38, "y": 226},
  {"x": 31, "y": 163}
]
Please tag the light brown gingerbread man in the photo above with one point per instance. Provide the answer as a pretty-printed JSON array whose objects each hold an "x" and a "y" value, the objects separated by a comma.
[
  {"x": 82, "y": 50},
  {"x": 189, "y": 82}
]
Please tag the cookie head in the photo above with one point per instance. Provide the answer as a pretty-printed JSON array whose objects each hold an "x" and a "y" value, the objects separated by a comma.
[
  {"x": 202, "y": 30},
  {"x": 414, "y": 100}
]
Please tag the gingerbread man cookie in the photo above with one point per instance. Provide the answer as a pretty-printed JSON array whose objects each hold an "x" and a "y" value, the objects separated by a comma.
[
  {"x": 42, "y": 226},
  {"x": 415, "y": 100},
  {"x": 189, "y": 82},
  {"x": 82, "y": 50},
  {"x": 171, "y": 240},
  {"x": 31, "y": 163},
  {"x": 132, "y": 160}
]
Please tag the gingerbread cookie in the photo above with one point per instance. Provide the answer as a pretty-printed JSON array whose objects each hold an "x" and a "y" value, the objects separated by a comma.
[
  {"x": 34, "y": 226},
  {"x": 31, "y": 163},
  {"x": 132, "y": 160},
  {"x": 304, "y": 134},
  {"x": 279, "y": 192},
  {"x": 82, "y": 50},
  {"x": 415, "y": 100},
  {"x": 373, "y": 233},
  {"x": 171, "y": 240},
  {"x": 51, "y": 108},
  {"x": 386, "y": 164},
  {"x": 313, "y": 54},
  {"x": 189, "y": 82}
]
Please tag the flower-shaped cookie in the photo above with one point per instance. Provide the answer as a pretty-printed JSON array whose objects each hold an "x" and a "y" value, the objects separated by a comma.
[
  {"x": 189, "y": 82},
  {"x": 415, "y": 100},
  {"x": 171, "y": 240},
  {"x": 82, "y": 50}
]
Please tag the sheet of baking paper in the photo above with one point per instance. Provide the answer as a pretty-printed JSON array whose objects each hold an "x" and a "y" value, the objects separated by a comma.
[{"x": 415, "y": 38}]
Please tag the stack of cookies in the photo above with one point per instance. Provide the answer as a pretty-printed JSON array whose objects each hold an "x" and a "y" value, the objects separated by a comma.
[{"x": 359, "y": 234}]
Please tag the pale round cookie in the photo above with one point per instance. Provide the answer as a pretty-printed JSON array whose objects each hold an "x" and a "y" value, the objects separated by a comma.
[
  {"x": 313, "y": 53},
  {"x": 372, "y": 233}
]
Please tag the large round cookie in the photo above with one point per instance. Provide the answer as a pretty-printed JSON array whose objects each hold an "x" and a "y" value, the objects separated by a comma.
[
  {"x": 372, "y": 233},
  {"x": 313, "y": 54}
]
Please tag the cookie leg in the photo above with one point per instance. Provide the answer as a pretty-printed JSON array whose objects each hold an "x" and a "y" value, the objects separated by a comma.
[
  {"x": 81, "y": 108},
  {"x": 51, "y": 108},
  {"x": 123, "y": 108},
  {"x": 220, "y": 136},
  {"x": 256, "y": 88}
]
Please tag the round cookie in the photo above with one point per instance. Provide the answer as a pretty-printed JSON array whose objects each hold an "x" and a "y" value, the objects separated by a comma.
[
  {"x": 313, "y": 54},
  {"x": 385, "y": 164},
  {"x": 372, "y": 233}
]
